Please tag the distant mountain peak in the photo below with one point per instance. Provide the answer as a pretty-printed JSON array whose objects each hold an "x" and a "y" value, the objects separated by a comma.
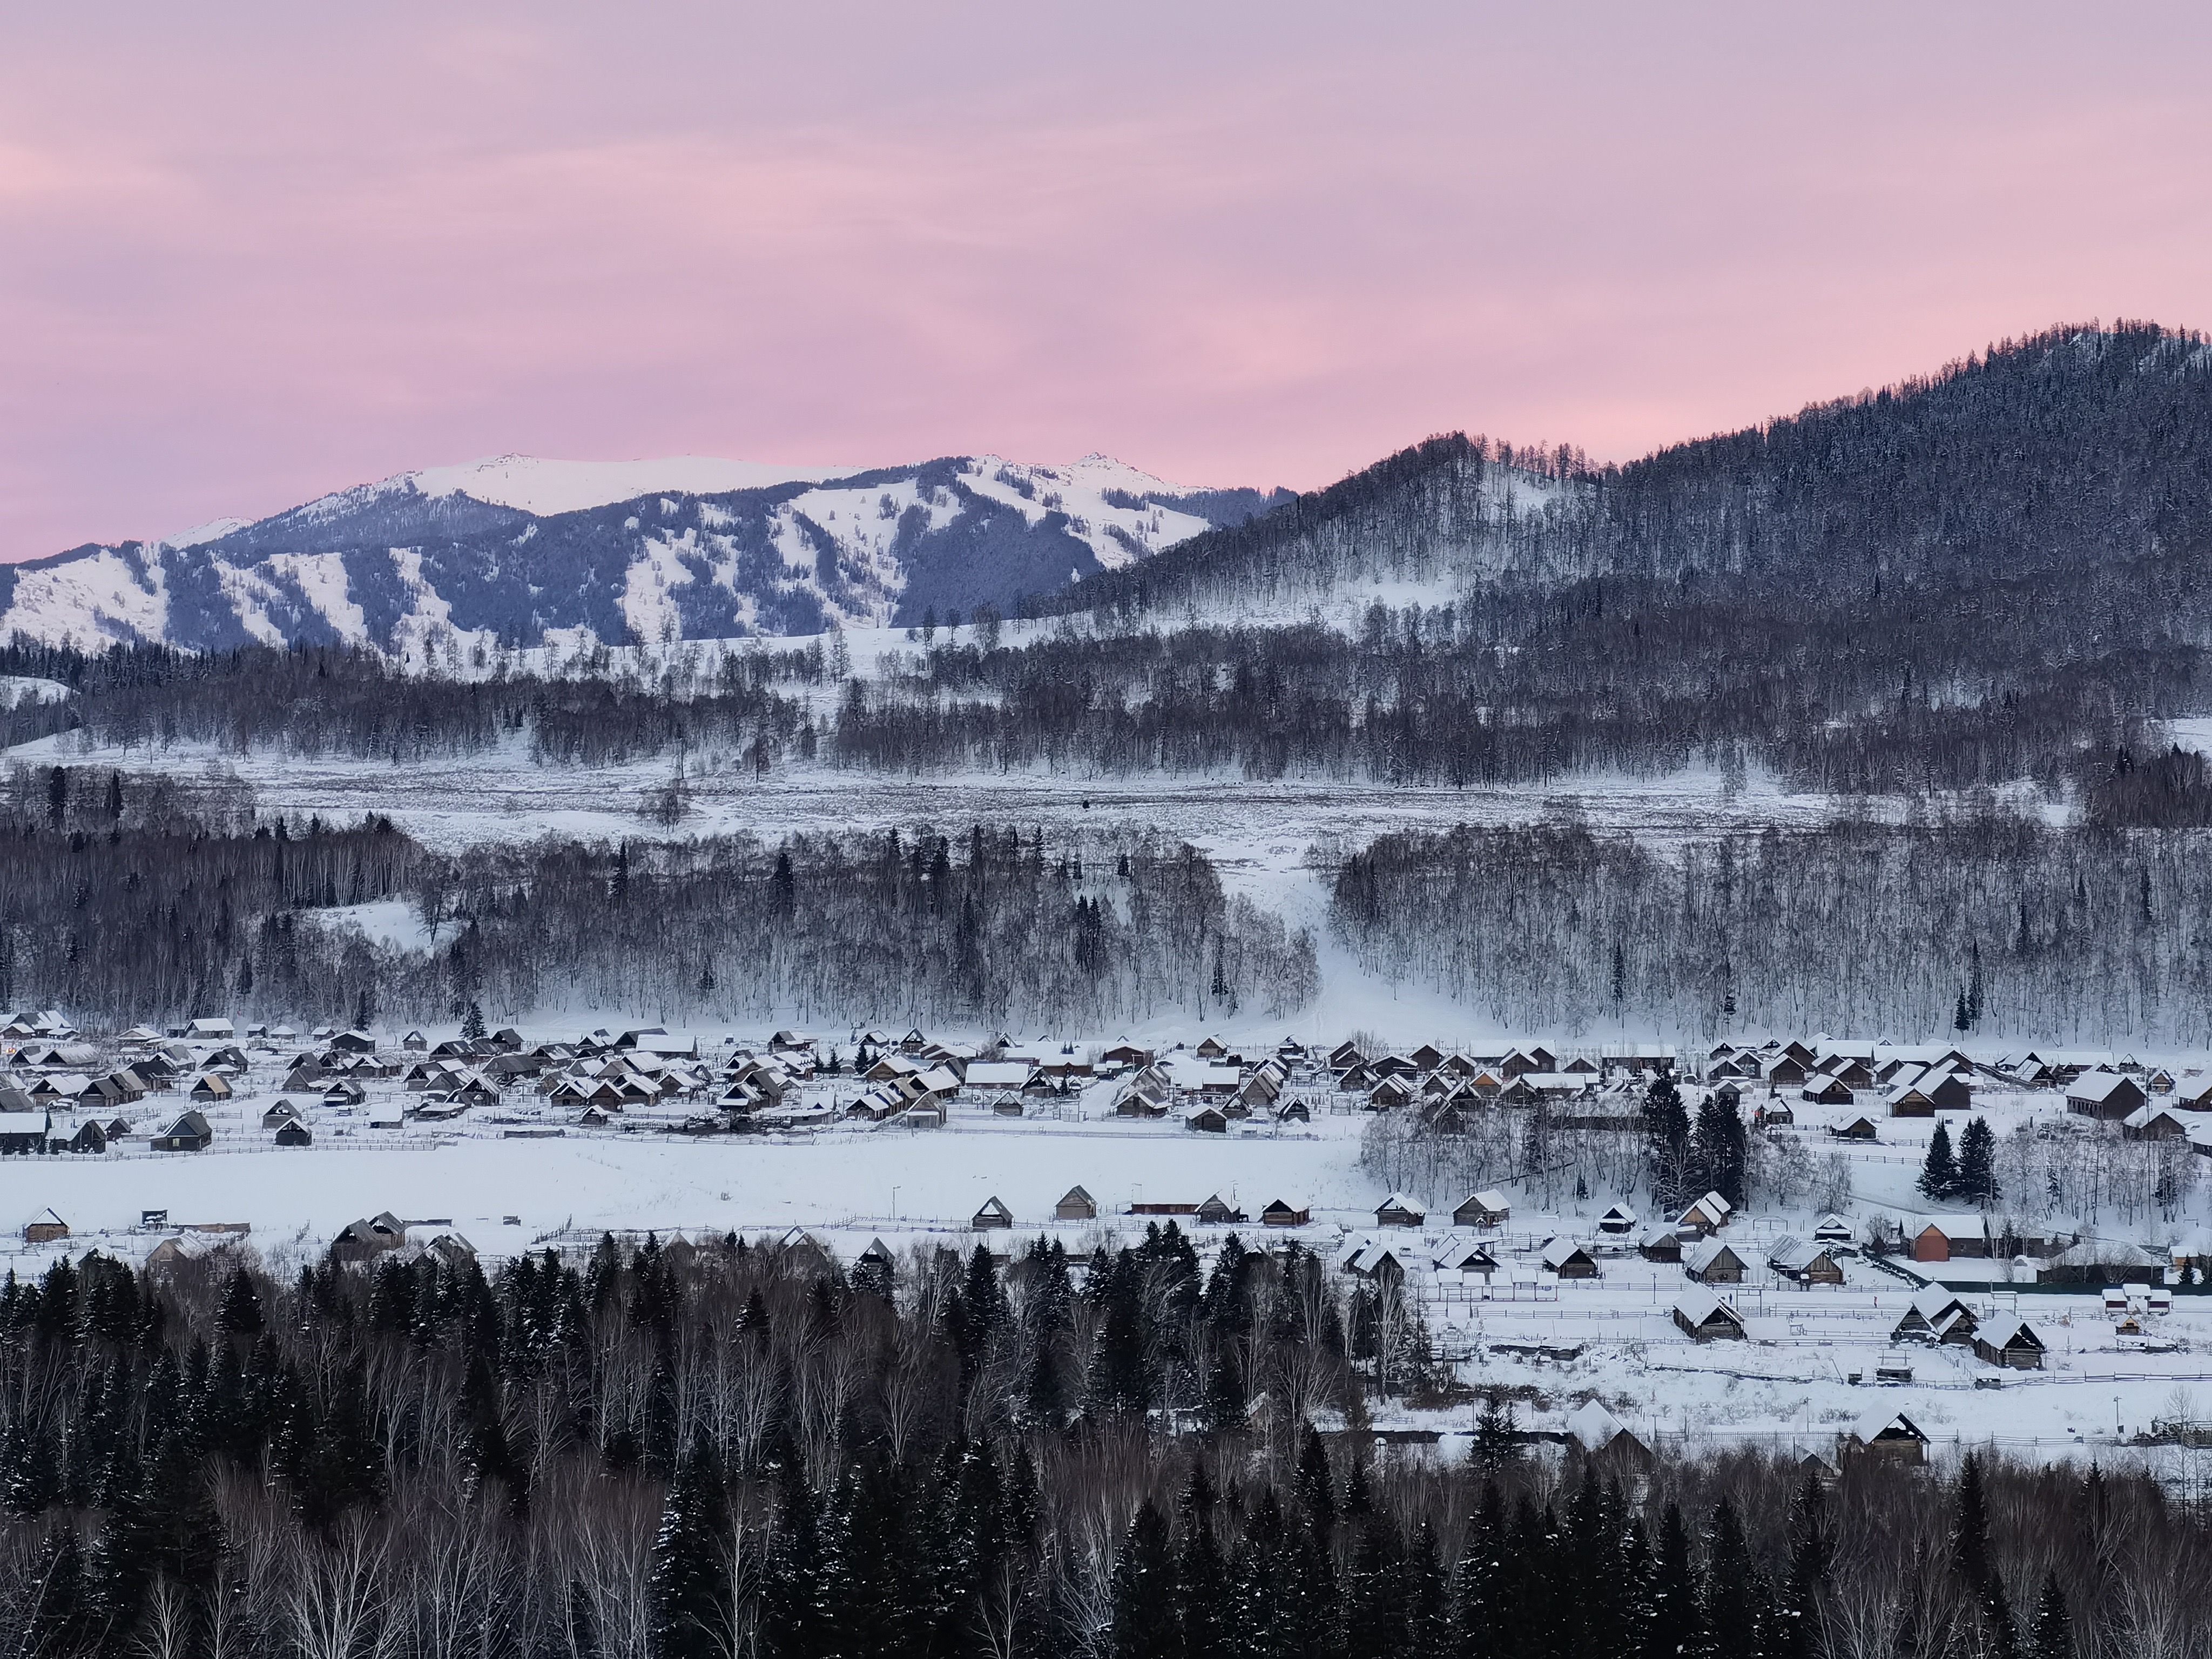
[{"x": 508, "y": 549}]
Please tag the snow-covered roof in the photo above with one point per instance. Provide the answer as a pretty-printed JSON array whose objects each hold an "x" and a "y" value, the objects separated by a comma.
[
  {"x": 1696, "y": 1304},
  {"x": 2094, "y": 1086},
  {"x": 1593, "y": 1427},
  {"x": 1701, "y": 1255},
  {"x": 1559, "y": 1250},
  {"x": 1881, "y": 1420}
]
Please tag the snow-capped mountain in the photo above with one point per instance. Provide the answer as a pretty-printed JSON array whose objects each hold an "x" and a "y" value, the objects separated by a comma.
[{"x": 514, "y": 550}]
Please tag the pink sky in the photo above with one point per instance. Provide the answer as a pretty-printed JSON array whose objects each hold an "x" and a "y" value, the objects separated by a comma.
[{"x": 253, "y": 251}]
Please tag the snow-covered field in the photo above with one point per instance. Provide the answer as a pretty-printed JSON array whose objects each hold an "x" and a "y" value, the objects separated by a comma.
[{"x": 1789, "y": 1386}]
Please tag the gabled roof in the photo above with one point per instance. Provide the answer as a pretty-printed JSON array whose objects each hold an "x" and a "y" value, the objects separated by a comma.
[
  {"x": 1559, "y": 1250},
  {"x": 1883, "y": 1422},
  {"x": 1698, "y": 1305},
  {"x": 2097, "y": 1086},
  {"x": 1593, "y": 1428},
  {"x": 1701, "y": 1255}
]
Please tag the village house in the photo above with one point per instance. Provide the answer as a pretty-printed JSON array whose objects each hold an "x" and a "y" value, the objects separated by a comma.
[
  {"x": 188, "y": 1133},
  {"x": 1804, "y": 1261},
  {"x": 2010, "y": 1343},
  {"x": 1487, "y": 1208},
  {"x": 1466, "y": 1257},
  {"x": 1883, "y": 1435},
  {"x": 2154, "y": 1123},
  {"x": 1945, "y": 1237},
  {"x": 1660, "y": 1244},
  {"x": 1704, "y": 1317},
  {"x": 1569, "y": 1260},
  {"x": 1605, "y": 1440},
  {"x": 1075, "y": 1205},
  {"x": 2104, "y": 1095},
  {"x": 45, "y": 1228},
  {"x": 1937, "y": 1316},
  {"x": 1374, "y": 1261},
  {"x": 23, "y": 1123},
  {"x": 1710, "y": 1262},
  {"x": 1398, "y": 1211},
  {"x": 1282, "y": 1212},
  {"x": 1707, "y": 1215},
  {"x": 1618, "y": 1220},
  {"x": 992, "y": 1214}
]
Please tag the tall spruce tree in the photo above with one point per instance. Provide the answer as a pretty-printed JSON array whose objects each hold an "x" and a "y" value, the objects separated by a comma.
[
  {"x": 1666, "y": 1127},
  {"x": 2053, "y": 1635},
  {"x": 1146, "y": 1622},
  {"x": 1720, "y": 1153},
  {"x": 1977, "y": 1173},
  {"x": 1939, "y": 1175},
  {"x": 691, "y": 1611}
]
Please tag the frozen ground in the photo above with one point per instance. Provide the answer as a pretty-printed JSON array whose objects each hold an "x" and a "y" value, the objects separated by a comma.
[{"x": 1789, "y": 1386}]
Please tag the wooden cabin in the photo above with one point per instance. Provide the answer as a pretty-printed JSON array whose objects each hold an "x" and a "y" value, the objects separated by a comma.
[
  {"x": 1710, "y": 1262},
  {"x": 1704, "y": 1317},
  {"x": 1398, "y": 1211},
  {"x": 1075, "y": 1205},
  {"x": 992, "y": 1214},
  {"x": 2010, "y": 1343},
  {"x": 1569, "y": 1260},
  {"x": 1883, "y": 1435}
]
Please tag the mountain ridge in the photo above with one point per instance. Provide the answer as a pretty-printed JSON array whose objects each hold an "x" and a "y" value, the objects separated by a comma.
[{"x": 522, "y": 551}]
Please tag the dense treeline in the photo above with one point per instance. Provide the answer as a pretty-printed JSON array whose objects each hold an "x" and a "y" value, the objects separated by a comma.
[
  {"x": 136, "y": 898},
  {"x": 1610, "y": 676},
  {"x": 1986, "y": 925},
  {"x": 991, "y": 926},
  {"x": 694, "y": 1452},
  {"x": 1622, "y": 675},
  {"x": 131, "y": 899},
  {"x": 346, "y": 700}
]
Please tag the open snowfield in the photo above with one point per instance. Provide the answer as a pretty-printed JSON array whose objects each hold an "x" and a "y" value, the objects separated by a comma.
[{"x": 1555, "y": 1342}]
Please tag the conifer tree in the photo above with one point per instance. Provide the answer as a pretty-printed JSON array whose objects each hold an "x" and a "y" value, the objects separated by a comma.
[
  {"x": 690, "y": 1555},
  {"x": 1939, "y": 1177},
  {"x": 1475, "y": 1580},
  {"x": 1734, "y": 1591},
  {"x": 1668, "y": 1125},
  {"x": 241, "y": 1313},
  {"x": 2053, "y": 1634},
  {"x": 1146, "y": 1625},
  {"x": 1977, "y": 1176},
  {"x": 1316, "y": 1486},
  {"x": 1720, "y": 1153},
  {"x": 1497, "y": 1440},
  {"x": 1677, "y": 1624},
  {"x": 794, "y": 1580},
  {"x": 1209, "y": 1625}
]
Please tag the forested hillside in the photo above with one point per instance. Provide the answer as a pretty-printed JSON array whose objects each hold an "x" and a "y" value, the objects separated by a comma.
[
  {"x": 152, "y": 899},
  {"x": 730, "y": 1448},
  {"x": 1990, "y": 928}
]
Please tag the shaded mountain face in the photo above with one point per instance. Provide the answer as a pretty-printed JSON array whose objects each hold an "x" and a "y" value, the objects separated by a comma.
[
  {"x": 2053, "y": 459},
  {"x": 525, "y": 552}
]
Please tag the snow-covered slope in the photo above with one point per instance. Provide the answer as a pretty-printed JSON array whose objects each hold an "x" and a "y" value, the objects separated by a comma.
[{"x": 513, "y": 550}]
